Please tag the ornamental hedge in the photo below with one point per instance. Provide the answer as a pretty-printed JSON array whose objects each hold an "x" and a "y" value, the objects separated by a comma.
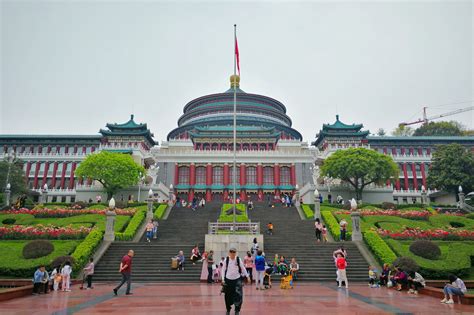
[
  {"x": 308, "y": 212},
  {"x": 377, "y": 245},
  {"x": 37, "y": 249},
  {"x": 133, "y": 226},
  {"x": 86, "y": 249},
  {"x": 224, "y": 217},
  {"x": 160, "y": 211}
]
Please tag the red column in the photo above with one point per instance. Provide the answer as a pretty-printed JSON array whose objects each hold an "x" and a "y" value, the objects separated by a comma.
[
  {"x": 243, "y": 180},
  {"x": 405, "y": 175},
  {"x": 45, "y": 175},
  {"x": 93, "y": 149},
  {"x": 226, "y": 195},
  {"x": 191, "y": 195},
  {"x": 40, "y": 149},
  {"x": 411, "y": 151},
  {"x": 242, "y": 195},
  {"x": 397, "y": 184},
  {"x": 75, "y": 149},
  {"x": 394, "y": 151},
  {"x": 415, "y": 181},
  {"x": 35, "y": 182},
  {"x": 71, "y": 178},
  {"x": 66, "y": 149},
  {"x": 423, "y": 175},
  {"x": 276, "y": 174},
  {"x": 27, "y": 173},
  {"x": 259, "y": 174},
  {"x": 55, "y": 170},
  {"x": 209, "y": 174},
  {"x": 192, "y": 174},
  {"x": 208, "y": 195},
  {"x": 428, "y": 151},
  {"x": 420, "y": 151},
  {"x": 84, "y": 150},
  {"x": 402, "y": 151},
  {"x": 63, "y": 175},
  {"x": 176, "y": 174},
  {"x": 226, "y": 174},
  {"x": 49, "y": 149},
  {"x": 385, "y": 151},
  {"x": 292, "y": 175}
]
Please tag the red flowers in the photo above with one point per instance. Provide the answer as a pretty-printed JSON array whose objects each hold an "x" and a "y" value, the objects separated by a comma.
[
  {"x": 416, "y": 215},
  {"x": 64, "y": 213},
  {"x": 21, "y": 232},
  {"x": 434, "y": 234}
]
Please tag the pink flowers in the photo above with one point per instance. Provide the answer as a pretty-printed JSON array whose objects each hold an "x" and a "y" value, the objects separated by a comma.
[
  {"x": 63, "y": 213},
  {"x": 434, "y": 234},
  {"x": 21, "y": 232},
  {"x": 416, "y": 215}
]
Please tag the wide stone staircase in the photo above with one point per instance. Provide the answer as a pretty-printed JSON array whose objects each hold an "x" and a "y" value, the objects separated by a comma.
[
  {"x": 151, "y": 263},
  {"x": 293, "y": 237}
]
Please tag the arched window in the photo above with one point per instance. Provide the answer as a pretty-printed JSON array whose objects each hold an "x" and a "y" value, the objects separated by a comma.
[
  {"x": 200, "y": 175},
  {"x": 214, "y": 146},
  {"x": 263, "y": 146},
  {"x": 254, "y": 146},
  {"x": 231, "y": 172},
  {"x": 218, "y": 175},
  {"x": 251, "y": 174},
  {"x": 284, "y": 175},
  {"x": 268, "y": 175},
  {"x": 183, "y": 175}
]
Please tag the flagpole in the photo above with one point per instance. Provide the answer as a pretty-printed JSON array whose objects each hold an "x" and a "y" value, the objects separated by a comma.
[{"x": 235, "y": 128}]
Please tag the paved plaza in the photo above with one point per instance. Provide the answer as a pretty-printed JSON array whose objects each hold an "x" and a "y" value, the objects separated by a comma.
[{"x": 306, "y": 298}]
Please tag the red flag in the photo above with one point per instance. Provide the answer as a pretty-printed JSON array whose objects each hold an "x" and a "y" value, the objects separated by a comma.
[{"x": 237, "y": 55}]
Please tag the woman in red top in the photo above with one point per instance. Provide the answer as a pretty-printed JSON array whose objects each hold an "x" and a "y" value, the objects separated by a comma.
[
  {"x": 341, "y": 270},
  {"x": 195, "y": 254}
]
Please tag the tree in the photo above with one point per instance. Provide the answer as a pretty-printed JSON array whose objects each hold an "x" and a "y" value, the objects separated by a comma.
[
  {"x": 402, "y": 131},
  {"x": 381, "y": 132},
  {"x": 360, "y": 167},
  {"x": 440, "y": 128},
  {"x": 452, "y": 166},
  {"x": 114, "y": 171},
  {"x": 16, "y": 177}
]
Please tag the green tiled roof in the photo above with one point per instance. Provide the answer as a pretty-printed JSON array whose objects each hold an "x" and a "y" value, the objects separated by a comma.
[
  {"x": 131, "y": 124},
  {"x": 340, "y": 125}
]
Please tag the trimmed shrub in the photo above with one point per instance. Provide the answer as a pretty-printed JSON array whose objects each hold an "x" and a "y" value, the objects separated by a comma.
[
  {"x": 79, "y": 205},
  {"x": 59, "y": 261},
  {"x": 407, "y": 264},
  {"x": 388, "y": 205},
  {"x": 426, "y": 249},
  {"x": 377, "y": 245},
  {"x": 9, "y": 221},
  {"x": 38, "y": 248},
  {"x": 121, "y": 204},
  {"x": 160, "y": 211},
  {"x": 470, "y": 216},
  {"x": 86, "y": 249},
  {"x": 309, "y": 214},
  {"x": 133, "y": 226}
]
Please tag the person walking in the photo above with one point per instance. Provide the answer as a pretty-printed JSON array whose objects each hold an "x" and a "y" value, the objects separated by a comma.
[
  {"x": 89, "y": 272},
  {"x": 343, "y": 229},
  {"x": 260, "y": 269},
  {"x": 126, "y": 271},
  {"x": 66, "y": 276},
  {"x": 341, "y": 270},
  {"x": 233, "y": 270},
  {"x": 155, "y": 229},
  {"x": 318, "y": 228},
  {"x": 210, "y": 262},
  {"x": 248, "y": 263}
]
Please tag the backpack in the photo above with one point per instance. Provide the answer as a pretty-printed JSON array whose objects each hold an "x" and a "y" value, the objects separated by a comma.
[{"x": 227, "y": 266}]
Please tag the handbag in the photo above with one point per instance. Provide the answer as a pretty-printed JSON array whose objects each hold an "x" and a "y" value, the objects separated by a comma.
[{"x": 389, "y": 284}]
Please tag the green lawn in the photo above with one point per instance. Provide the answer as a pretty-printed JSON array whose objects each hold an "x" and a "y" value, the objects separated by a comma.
[{"x": 12, "y": 263}]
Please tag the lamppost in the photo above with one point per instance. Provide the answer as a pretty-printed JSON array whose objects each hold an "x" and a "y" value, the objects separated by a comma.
[
  {"x": 149, "y": 214},
  {"x": 44, "y": 194},
  {"x": 461, "y": 196},
  {"x": 424, "y": 199},
  {"x": 140, "y": 181},
  {"x": 7, "y": 194},
  {"x": 171, "y": 196},
  {"x": 317, "y": 205},
  {"x": 109, "y": 235},
  {"x": 355, "y": 216},
  {"x": 10, "y": 158},
  {"x": 297, "y": 196}
]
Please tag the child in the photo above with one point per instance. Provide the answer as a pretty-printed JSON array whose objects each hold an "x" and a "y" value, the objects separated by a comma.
[
  {"x": 372, "y": 277},
  {"x": 276, "y": 260},
  {"x": 66, "y": 276},
  {"x": 270, "y": 228},
  {"x": 180, "y": 258},
  {"x": 56, "y": 277},
  {"x": 341, "y": 270},
  {"x": 216, "y": 272},
  {"x": 325, "y": 234},
  {"x": 89, "y": 272}
]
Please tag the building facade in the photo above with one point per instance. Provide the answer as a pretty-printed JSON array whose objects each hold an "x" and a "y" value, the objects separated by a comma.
[{"x": 197, "y": 157}]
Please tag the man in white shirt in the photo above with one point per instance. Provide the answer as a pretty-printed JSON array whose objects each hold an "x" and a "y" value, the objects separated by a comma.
[{"x": 232, "y": 273}]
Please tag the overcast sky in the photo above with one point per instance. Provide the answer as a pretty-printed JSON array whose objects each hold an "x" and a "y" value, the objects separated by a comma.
[{"x": 69, "y": 67}]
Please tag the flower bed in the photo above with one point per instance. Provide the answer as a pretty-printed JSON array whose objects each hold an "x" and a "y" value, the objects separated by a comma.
[
  {"x": 20, "y": 232},
  {"x": 414, "y": 215},
  {"x": 434, "y": 234},
  {"x": 64, "y": 213}
]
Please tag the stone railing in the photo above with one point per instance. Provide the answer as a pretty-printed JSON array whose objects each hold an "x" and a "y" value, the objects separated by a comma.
[{"x": 252, "y": 228}]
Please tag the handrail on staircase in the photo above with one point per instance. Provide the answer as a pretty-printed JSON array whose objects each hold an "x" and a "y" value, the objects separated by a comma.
[{"x": 252, "y": 228}]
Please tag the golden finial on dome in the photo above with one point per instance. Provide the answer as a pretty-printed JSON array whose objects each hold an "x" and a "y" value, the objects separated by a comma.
[{"x": 234, "y": 81}]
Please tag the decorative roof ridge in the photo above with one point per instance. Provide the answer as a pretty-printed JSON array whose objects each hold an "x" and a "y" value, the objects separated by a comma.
[
  {"x": 131, "y": 124},
  {"x": 340, "y": 125}
]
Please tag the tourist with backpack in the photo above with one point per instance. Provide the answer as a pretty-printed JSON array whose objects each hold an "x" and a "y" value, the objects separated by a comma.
[{"x": 232, "y": 273}]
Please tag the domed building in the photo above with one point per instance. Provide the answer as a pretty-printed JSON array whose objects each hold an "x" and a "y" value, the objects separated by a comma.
[{"x": 197, "y": 157}]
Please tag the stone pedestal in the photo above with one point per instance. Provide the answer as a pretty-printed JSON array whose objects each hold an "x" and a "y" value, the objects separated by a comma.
[
  {"x": 221, "y": 244},
  {"x": 317, "y": 208},
  {"x": 356, "y": 232},
  {"x": 424, "y": 198},
  {"x": 149, "y": 213},
  {"x": 7, "y": 197},
  {"x": 45, "y": 196},
  {"x": 297, "y": 198},
  {"x": 109, "y": 235},
  {"x": 462, "y": 199}
]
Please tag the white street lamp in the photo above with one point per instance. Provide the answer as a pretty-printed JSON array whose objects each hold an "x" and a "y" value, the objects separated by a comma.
[
  {"x": 353, "y": 204},
  {"x": 112, "y": 203}
]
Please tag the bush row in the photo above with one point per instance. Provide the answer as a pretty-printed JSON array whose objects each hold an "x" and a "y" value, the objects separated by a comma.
[
  {"x": 308, "y": 212},
  {"x": 332, "y": 224},
  {"x": 377, "y": 245},
  {"x": 86, "y": 249},
  {"x": 160, "y": 211},
  {"x": 133, "y": 226}
]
